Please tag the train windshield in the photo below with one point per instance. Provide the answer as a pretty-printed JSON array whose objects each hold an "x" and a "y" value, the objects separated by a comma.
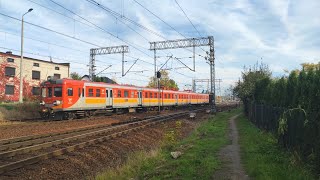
[
  {"x": 58, "y": 91},
  {"x": 44, "y": 92}
]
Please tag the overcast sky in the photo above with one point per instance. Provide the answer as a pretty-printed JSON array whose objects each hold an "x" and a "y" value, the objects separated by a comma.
[{"x": 280, "y": 33}]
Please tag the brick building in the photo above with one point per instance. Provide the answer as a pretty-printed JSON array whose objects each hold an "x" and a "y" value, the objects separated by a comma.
[{"x": 34, "y": 72}]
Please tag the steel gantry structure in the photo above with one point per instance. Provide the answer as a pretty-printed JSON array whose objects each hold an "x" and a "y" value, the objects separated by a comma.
[
  {"x": 185, "y": 43},
  {"x": 105, "y": 50}
]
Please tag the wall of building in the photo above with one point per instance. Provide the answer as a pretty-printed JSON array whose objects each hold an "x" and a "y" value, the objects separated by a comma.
[{"x": 31, "y": 69}]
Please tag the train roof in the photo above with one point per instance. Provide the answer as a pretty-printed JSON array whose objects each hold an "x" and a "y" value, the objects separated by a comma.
[{"x": 67, "y": 80}]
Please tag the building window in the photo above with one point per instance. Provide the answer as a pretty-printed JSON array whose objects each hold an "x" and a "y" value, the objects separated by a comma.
[
  {"x": 126, "y": 94},
  {"x": 9, "y": 90},
  {"x": 36, "y": 64},
  {"x": 35, "y": 91},
  {"x": 10, "y": 71},
  {"x": 70, "y": 92},
  {"x": 97, "y": 92},
  {"x": 57, "y": 68},
  {"x": 10, "y": 60},
  {"x": 57, "y": 76},
  {"x": 90, "y": 93},
  {"x": 35, "y": 74}
]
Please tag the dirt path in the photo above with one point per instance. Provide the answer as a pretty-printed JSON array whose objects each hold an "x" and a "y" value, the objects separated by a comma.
[{"x": 230, "y": 157}]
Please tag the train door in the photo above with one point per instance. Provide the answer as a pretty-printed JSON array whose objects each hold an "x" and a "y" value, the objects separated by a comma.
[
  {"x": 176, "y": 97},
  {"x": 109, "y": 96},
  {"x": 139, "y": 98}
]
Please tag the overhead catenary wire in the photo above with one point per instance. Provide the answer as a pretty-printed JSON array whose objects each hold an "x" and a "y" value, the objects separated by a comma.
[
  {"x": 44, "y": 42},
  {"x": 129, "y": 20},
  {"x": 125, "y": 41},
  {"x": 51, "y": 30},
  {"x": 187, "y": 17},
  {"x": 159, "y": 18},
  {"x": 48, "y": 56},
  {"x": 57, "y": 12}
]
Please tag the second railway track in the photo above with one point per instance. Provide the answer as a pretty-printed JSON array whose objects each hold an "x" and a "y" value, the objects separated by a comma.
[{"x": 20, "y": 152}]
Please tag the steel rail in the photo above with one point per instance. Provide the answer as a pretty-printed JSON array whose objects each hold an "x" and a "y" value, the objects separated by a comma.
[{"x": 35, "y": 159}]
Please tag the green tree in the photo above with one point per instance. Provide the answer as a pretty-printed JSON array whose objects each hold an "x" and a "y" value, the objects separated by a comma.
[
  {"x": 75, "y": 76},
  {"x": 103, "y": 79},
  {"x": 165, "y": 81},
  {"x": 245, "y": 89}
]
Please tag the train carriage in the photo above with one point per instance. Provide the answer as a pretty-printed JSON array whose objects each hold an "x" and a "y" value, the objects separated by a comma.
[{"x": 68, "y": 99}]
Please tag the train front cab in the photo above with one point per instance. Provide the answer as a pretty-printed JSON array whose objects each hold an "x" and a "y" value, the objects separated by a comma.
[{"x": 51, "y": 98}]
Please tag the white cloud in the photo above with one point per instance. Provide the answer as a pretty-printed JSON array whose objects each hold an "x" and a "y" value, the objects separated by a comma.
[{"x": 283, "y": 33}]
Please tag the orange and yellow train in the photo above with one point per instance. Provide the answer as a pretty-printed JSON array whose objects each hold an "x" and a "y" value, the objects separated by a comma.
[{"x": 68, "y": 99}]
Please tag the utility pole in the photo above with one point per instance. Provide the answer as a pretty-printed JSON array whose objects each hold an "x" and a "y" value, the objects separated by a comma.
[
  {"x": 191, "y": 42},
  {"x": 21, "y": 60}
]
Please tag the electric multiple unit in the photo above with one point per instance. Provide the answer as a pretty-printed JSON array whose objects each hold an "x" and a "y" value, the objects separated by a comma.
[{"x": 68, "y": 99}]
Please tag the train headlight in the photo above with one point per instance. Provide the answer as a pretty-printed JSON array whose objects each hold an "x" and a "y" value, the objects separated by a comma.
[
  {"x": 42, "y": 103},
  {"x": 57, "y": 102}
]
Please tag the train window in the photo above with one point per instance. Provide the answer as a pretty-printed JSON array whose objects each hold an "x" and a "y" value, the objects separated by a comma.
[
  {"x": 132, "y": 94},
  {"x": 49, "y": 92},
  {"x": 70, "y": 92},
  {"x": 146, "y": 96},
  {"x": 150, "y": 94},
  {"x": 90, "y": 92},
  {"x": 57, "y": 91},
  {"x": 44, "y": 92},
  {"x": 160, "y": 95},
  {"x": 165, "y": 96},
  {"x": 126, "y": 94},
  {"x": 119, "y": 93},
  {"x": 110, "y": 93},
  {"x": 107, "y": 94},
  {"x": 98, "y": 92},
  {"x": 82, "y": 92},
  {"x": 79, "y": 92}
]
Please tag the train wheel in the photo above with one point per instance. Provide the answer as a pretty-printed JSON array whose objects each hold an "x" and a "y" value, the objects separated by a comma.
[
  {"x": 69, "y": 116},
  {"x": 44, "y": 115}
]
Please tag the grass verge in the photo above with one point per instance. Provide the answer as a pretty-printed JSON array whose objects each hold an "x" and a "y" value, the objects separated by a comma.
[
  {"x": 15, "y": 111},
  {"x": 198, "y": 160},
  {"x": 263, "y": 158}
]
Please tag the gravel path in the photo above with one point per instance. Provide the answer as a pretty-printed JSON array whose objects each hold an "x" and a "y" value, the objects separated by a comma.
[{"x": 230, "y": 156}]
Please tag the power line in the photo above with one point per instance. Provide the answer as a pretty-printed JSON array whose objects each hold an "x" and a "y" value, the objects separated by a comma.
[
  {"x": 59, "y": 13},
  {"x": 37, "y": 54},
  {"x": 187, "y": 17},
  {"x": 44, "y": 42},
  {"x": 159, "y": 18},
  {"x": 124, "y": 17},
  {"x": 48, "y": 29},
  {"x": 127, "y": 42}
]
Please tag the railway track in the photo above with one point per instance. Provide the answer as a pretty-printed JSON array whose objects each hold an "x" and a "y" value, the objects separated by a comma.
[{"x": 23, "y": 151}]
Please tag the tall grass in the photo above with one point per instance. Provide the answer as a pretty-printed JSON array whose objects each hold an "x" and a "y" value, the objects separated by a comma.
[{"x": 263, "y": 158}]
